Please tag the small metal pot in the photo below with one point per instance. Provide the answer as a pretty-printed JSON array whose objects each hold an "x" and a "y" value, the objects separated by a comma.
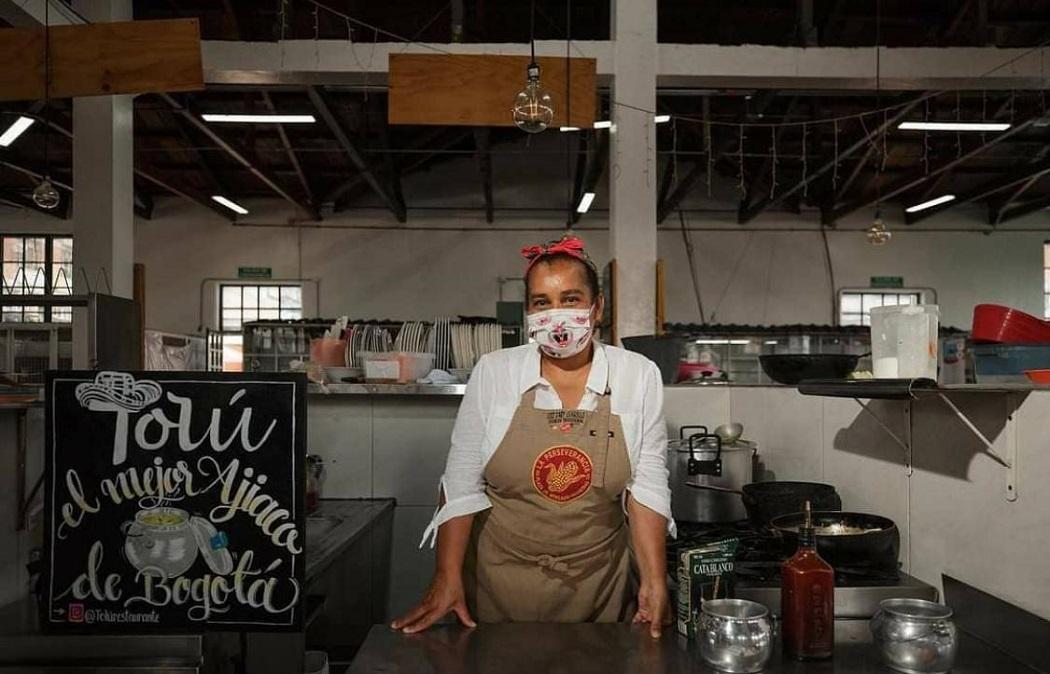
[
  {"x": 735, "y": 635},
  {"x": 703, "y": 459},
  {"x": 915, "y": 636}
]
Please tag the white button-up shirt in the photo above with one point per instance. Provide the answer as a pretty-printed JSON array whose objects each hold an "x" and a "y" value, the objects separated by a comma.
[{"x": 494, "y": 392}]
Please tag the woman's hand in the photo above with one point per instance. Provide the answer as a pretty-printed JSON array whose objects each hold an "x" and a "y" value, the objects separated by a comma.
[
  {"x": 652, "y": 606},
  {"x": 444, "y": 595}
]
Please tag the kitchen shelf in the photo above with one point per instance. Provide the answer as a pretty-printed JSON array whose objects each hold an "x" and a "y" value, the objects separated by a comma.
[
  {"x": 903, "y": 389},
  {"x": 388, "y": 389},
  {"x": 914, "y": 389}
]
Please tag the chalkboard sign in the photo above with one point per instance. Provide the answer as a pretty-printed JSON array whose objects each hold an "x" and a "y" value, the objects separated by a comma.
[{"x": 174, "y": 501}]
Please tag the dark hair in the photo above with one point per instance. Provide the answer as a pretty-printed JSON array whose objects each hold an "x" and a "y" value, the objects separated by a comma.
[{"x": 590, "y": 273}]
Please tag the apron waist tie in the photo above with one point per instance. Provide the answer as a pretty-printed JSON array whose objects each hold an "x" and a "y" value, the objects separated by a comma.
[{"x": 556, "y": 563}]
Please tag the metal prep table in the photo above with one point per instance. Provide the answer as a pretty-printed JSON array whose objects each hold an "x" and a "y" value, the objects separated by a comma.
[{"x": 615, "y": 649}]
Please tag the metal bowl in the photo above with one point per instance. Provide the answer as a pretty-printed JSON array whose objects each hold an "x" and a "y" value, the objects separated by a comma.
[
  {"x": 735, "y": 635},
  {"x": 915, "y": 636}
]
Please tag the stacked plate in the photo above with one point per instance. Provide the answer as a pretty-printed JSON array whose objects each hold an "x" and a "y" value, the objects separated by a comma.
[
  {"x": 366, "y": 338},
  {"x": 413, "y": 337},
  {"x": 470, "y": 341},
  {"x": 440, "y": 343}
]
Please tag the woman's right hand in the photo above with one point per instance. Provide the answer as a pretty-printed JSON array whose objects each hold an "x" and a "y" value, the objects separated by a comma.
[{"x": 444, "y": 595}]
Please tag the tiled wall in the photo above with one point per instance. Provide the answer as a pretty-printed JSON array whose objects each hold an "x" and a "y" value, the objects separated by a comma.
[{"x": 952, "y": 511}]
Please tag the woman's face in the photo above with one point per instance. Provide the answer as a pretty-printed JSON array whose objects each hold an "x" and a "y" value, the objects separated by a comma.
[{"x": 561, "y": 284}]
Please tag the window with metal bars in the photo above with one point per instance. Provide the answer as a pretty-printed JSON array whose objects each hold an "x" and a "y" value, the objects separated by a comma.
[
  {"x": 36, "y": 264},
  {"x": 855, "y": 305},
  {"x": 245, "y": 303}
]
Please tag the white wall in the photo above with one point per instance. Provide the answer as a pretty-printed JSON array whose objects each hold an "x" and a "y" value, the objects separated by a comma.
[
  {"x": 761, "y": 273},
  {"x": 952, "y": 510}
]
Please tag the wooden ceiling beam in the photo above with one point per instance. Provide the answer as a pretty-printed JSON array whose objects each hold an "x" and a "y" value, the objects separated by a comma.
[
  {"x": 1025, "y": 174},
  {"x": 597, "y": 161},
  {"x": 909, "y": 182},
  {"x": 292, "y": 157},
  {"x": 746, "y": 215},
  {"x": 482, "y": 144},
  {"x": 1034, "y": 206},
  {"x": 324, "y": 107},
  {"x": 241, "y": 155},
  {"x": 19, "y": 200}
]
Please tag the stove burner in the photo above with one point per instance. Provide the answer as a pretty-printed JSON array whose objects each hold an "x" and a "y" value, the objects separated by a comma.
[{"x": 761, "y": 552}]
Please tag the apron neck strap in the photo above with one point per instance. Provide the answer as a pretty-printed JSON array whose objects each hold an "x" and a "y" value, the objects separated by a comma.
[{"x": 528, "y": 399}]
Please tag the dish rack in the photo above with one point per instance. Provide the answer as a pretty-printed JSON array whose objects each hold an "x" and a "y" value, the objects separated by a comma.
[{"x": 456, "y": 342}]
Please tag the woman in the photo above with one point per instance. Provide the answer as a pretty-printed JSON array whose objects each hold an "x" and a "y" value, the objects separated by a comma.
[{"x": 556, "y": 483}]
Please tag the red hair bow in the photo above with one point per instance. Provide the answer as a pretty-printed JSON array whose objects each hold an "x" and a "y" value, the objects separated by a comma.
[{"x": 567, "y": 245}]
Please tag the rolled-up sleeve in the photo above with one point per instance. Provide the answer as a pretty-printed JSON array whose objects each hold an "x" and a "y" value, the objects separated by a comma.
[
  {"x": 649, "y": 484},
  {"x": 462, "y": 488}
]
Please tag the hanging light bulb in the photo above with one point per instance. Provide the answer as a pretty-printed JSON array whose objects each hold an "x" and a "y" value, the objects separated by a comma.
[
  {"x": 877, "y": 234},
  {"x": 533, "y": 109},
  {"x": 45, "y": 195}
]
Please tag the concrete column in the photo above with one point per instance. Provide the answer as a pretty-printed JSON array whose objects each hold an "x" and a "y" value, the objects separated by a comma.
[
  {"x": 632, "y": 162},
  {"x": 103, "y": 202}
]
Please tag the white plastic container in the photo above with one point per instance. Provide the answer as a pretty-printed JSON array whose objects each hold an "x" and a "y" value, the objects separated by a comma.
[
  {"x": 904, "y": 341},
  {"x": 396, "y": 366}
]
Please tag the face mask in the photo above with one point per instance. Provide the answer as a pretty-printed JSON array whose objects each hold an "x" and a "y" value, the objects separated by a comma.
[{"x": 561, "y": 333}]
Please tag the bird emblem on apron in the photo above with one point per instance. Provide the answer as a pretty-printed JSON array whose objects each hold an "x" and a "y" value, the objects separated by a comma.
[{"x": 562, "y": 474}]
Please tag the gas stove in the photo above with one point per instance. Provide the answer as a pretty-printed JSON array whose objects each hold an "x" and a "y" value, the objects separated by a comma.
[{"x": 760, "y": 553}]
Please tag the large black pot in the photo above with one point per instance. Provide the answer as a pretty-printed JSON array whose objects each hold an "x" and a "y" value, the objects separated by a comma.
[
  {"x": 875, "y": 545},
  {"x": 790, "y": 369},
  {"x": 766, "y": 501}
]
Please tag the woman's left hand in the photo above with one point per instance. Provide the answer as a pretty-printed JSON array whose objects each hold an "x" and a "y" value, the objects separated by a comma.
[{"x": 652, "y": 607}]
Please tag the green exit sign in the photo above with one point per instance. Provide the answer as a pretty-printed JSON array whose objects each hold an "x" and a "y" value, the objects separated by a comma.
[
  {"x": 254, "y": 272},
  {"x": 887, "y": 281}
]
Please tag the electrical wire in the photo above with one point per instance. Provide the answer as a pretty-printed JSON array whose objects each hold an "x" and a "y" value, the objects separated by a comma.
[
  {"x": 47, "y": 88},
  {"x": 692, "y": 118},
  {"x": 687, "y": 239},
  {"x": 831, "y": 274},
  {"x": 568, "y": 114}
]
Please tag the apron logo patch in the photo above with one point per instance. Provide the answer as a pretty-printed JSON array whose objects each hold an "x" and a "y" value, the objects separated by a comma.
[
  {"x": 562, "y": 473},
  {"x": 564, "y": 427}
]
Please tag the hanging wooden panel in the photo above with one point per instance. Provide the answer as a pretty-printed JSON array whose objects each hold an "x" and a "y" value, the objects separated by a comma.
[
  {"x": 469, "y": 90},
  {"x": 96, "y": 59}
]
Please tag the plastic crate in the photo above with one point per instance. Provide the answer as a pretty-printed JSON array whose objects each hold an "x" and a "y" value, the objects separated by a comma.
[{"x": 1006, "y": 363}]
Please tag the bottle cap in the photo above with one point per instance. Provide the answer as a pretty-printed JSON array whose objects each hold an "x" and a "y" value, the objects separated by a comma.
[{"x": 806, "y": 533}]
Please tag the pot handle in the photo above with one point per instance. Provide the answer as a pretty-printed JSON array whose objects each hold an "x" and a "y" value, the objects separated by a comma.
[
  {"x": 682, "y": 429},
  {"x": 696, "y": 466},
  {"x": 711, "y": 487}
]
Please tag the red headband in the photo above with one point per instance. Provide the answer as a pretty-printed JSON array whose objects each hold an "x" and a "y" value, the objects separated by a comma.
[{"x": 567, "y": 245}]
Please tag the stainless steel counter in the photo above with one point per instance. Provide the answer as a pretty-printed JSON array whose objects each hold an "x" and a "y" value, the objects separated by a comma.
[
  {"x": 335, "y": 526},
  {"x": 614, "y": 649}
]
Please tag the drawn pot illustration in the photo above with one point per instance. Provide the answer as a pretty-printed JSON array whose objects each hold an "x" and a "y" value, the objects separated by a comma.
[{"x": 165, "y": 541}]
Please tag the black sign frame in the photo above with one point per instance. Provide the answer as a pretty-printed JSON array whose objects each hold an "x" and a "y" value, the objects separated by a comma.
[{"x": 270, "y": 395}]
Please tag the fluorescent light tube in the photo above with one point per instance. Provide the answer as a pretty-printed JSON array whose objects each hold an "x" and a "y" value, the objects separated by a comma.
[
  {"x": 258, "y": 119},
  {"x": 563, "y": 129},
  {"x": 662, "y": 119},
  {"x": 603, "y": 124},
  {"x": 585, "y": 202},
  {"x": 954, "y": 126},
  {"x": 233, "y": 206},
  {"x": 15, "y": 130},
  {"x": 930, "y": 204}
]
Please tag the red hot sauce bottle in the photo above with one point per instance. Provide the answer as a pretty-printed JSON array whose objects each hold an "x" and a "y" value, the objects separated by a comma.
[{"x": 807, "y": 598}]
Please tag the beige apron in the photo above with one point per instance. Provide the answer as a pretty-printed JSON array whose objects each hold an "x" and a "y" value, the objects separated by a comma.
[{"x": 555, "y": 545}]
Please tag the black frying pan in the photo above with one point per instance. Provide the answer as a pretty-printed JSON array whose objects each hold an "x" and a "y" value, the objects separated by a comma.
[
  {"x": 765, "y": 501},
  {"x": 846, "y": 540},
  {"x": 790, "y": 369}
]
